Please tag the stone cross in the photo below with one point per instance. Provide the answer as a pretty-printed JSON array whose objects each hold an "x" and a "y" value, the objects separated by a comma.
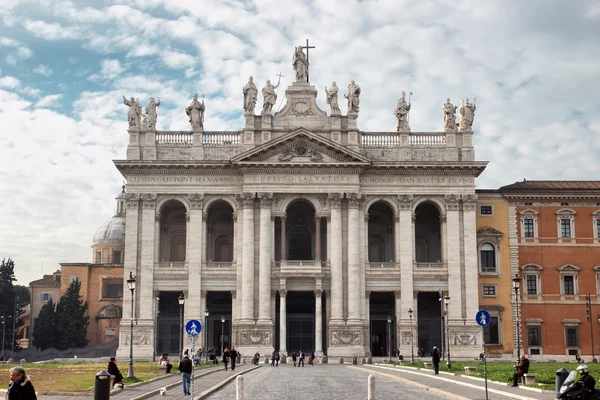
[{"x": 307, "y": 60}]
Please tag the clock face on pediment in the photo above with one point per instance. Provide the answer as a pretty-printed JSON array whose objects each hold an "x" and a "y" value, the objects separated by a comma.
[{"x": 301, "y": 147}]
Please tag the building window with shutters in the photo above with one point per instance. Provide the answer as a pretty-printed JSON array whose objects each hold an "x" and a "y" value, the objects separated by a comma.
[{"x": 534, "y": 336}]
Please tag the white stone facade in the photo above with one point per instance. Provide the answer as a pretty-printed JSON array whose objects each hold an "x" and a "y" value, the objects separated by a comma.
[{"x": 302, "y": 184}]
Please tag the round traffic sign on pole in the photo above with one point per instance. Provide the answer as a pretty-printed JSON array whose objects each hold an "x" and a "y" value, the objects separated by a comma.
[
  {"x": 483, "y": 318},
  {"x": 193, "y": 327}
]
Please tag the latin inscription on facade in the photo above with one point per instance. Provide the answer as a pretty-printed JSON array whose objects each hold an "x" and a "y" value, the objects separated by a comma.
[
  {"x": 416, "y": 180},
  {"x": 177, "y": 179}
]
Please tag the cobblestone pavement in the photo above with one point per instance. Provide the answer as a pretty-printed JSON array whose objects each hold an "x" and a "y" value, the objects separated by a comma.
[{"x": 330, "y": 382}]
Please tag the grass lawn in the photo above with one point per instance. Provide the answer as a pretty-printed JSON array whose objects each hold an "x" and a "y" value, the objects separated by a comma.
[
  {"x": 503, "y": 371},
  {"x": 79, "y": 377}
]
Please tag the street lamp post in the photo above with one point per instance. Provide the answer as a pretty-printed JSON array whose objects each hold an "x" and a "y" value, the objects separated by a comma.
[
  {"x": 206, "y": 314},
  {"x": 3, "y": 336},
  {"x": 181, "y": 300},
  {"x": 222, "y": 332},
  {"x": 12, "y": 351},
  {"x": 447, "y": 302},
  {"x": 156, "y": 314},
  {"x": 412, "y": 347},
  {"x": 588, "y": 311},
  {"x": 389, "y": 321},
  {"x": 131, "y": 286},
  {"x": 516, "y": 285}
]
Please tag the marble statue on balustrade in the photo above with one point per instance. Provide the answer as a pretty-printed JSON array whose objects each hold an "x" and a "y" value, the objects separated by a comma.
[
  {"x": 195, "y": 111},
  {"x": 353, "y": 97},
  {"x": 269, "y": 97},
  {"x": 151, "y": 113},
  {"x": 332, "y": 98},
  {"x": 467, "y": 115},
  {"x": 449, "y": 110},
  {"x": 250, "y": 95},
  {"x": 300, "y": 64},
  {"x": 133, "y": 115},
  {"x": 401, "y": 112}
]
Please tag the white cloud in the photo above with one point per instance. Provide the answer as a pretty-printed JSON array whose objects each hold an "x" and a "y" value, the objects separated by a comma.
[
  {"x": 178, "y": 60},
  {"x": 51, "y": 31},
  {"x": 111, "y": 68},
  {"x": 51, "y": 100},
  {"x": 18, "y": 51},
  {"x": 43, "y": 70},
  {"x": 32, "y": 92},
  {"x": 9, "y": 82}
]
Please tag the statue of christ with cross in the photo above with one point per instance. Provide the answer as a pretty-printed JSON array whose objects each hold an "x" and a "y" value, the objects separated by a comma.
[{"x": 300, "y": 62}]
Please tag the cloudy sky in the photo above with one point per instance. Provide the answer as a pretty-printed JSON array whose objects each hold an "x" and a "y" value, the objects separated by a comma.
[{"x": 533, "y": 66}]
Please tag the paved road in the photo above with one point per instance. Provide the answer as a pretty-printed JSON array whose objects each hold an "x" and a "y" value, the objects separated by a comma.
[{"x": 319, "y": 382}]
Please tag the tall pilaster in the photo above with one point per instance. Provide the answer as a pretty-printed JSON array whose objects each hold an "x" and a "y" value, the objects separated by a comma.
[
  {"x": 406, "y": 253},
  {"x": 145, "y": 279},
  {"x": 318, "y": 323},
  {"x": 283, "y": 238},
  {"x": 354, "y": 288},
  {"x": 193, "y": 304},
  {"x": 282, "y": 322},
  {"x": 453, "y": 242},
  {"x": 247, "y": 201},
  {"x": 470, "y": 242},
  {"x": 265, "y": 255},
  {"x": 318, "y": 238},
  {"x": 337, "y": 290},
  {"x": 132, "y": 202}
]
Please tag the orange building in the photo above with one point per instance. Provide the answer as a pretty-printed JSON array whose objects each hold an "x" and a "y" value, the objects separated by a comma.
[
  {"x": 495, "y": 285},
  {"x": 554, "y": 236}
]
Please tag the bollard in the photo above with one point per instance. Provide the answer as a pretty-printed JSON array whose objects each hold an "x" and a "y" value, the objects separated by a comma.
[
  {"x": 371, "y": 390},
  {"x": 561, "y": 377},
  {"x": 102, "y": 386},
  {"x": 239, "y": 388}
]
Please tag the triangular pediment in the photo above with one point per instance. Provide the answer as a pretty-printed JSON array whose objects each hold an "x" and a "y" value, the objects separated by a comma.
[
  {"x": 489, "y": 231},
  {"x": 300, "y": 147}
]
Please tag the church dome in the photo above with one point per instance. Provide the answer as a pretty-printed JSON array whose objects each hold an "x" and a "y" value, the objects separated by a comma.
[{"x": 112, "y": 230}]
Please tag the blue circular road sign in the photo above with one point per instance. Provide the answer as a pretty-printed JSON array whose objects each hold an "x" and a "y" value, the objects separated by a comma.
[
  {"x": 483, "y": 318},
  {"x": 193, "y": 327}
]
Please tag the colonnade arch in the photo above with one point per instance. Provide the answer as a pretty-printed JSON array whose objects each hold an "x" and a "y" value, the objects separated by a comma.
[
  {"x": 381, "y": 234},
  {"x": 173, "y": 231},
  {"x": 219, "y": 231},
  {"x": 428, "y": 232}
]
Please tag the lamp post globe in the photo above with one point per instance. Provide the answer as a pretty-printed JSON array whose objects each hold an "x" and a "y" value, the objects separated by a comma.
[
  {"x": 222, "y": 332},
  {"x": 516, "y": 282},
  {"x": 181, "y": 300},
  {"x": 446, "y": 303},
  {"x": 389, "y": 321},
  {"x": 131, "y": 287},
  {"x": 412, "y": 347},
  {"x": 206, "y": 314}
]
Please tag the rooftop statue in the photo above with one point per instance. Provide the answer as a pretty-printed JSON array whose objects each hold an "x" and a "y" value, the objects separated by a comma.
[
  {"x": 134, "y": 113},
  {"x": 300, "y": 64},
  {"x": 151, "y": 114},
  {"x": 353, "y": 97},
  {"x": 269, "y": 97},
  {"x": 449, "y": 116},
  {"x": 401, "y": 112},
  {"x": 196, "y": 113},
  {"x": 467, "y": 115},
  {"x": 250, "y": 95},
  {"x": 332, "y": 98}
]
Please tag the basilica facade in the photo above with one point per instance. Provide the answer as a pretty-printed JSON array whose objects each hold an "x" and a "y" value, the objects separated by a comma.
[{"x": 302, "y": 232}]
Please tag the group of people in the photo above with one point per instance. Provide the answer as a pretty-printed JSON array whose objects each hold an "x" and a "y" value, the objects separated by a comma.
[{"x": 230, "y": 356}]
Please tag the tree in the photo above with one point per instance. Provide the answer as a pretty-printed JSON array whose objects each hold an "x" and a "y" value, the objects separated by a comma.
[
  {"x": 23, "y": 294},
  {"x": 10, "y": 308},
  {"x": 44, "y": 327},
  {"x": 71, "y": 319}
]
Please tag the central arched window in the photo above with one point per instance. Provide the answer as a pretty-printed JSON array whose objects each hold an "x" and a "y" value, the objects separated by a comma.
[
  {"x": 300, "y": 244},
  {"x": 488, "y": 258}
]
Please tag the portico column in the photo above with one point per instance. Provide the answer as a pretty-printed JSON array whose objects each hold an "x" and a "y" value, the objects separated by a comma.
[
  {"x": 194, "y": 256},
  {"x": 337, "y": 290},
  {"x": 318, "y": 323},
  {"x": 157, "y": 237},
  {"x": 470, "y": 243},
  {"x": 453, "y": 251},
  {"x": 247, "y": 200},
  {"x": 146, "y": 277},
  {"x": 406, "y": 254},
  {"x": 264, "y": 262},
  {"x": 282, "y": 322},
  {"x": 283, "y": 238},
  {"x": 354, "y": 295},
  {"x": 318, "y": 238}
]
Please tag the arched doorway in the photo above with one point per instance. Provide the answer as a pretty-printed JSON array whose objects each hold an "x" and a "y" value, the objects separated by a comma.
[
  {"x": 381, "y": 233},
  {"x": 300, "y": 231},
  {"x": 219, "y": 227},
  {"x": 173, "y": 227}
]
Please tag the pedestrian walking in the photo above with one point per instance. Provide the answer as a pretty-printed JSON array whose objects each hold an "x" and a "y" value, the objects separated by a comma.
[
  {"x": 233, "y": 355},
  {"x": 256, "y": 358},
  {"x": 294, "y": 358},
  {"x": 311, "y": 359},
  {"x": 435, "y": 359},
  {"x": 277, "y": 358},
  {"x": 20, "y": 387},
  {"x": 301, "y": 358},
  {"x": 225, "y": 357},
  {"x": 274, "y": 356},
  {"x": 185, "y": 367}
]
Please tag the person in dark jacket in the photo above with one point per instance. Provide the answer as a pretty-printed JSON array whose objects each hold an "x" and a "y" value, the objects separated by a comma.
[
  {"x": 435, "y": 359},
  {"x": 185, "y": 367},
  {"x": 20, "y": 387},
  {"x": 586, "y": 379},
  {"x": 225, "y": 357},
  {"x": 294, "y": 358},
  {"x": 521, "y": 369},
  {"x": 274, "y": 356},
  {"x": 114, "y": 370},
  {"x": 301, "y": 358},
  {"x": 233, "y": 355}
]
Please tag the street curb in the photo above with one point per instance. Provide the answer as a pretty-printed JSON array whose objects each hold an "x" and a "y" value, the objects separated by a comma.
[
  {"x": 497, "y": 391},
  {"x": 225, "y": 381},
  {"x": 155, "y": 392}
]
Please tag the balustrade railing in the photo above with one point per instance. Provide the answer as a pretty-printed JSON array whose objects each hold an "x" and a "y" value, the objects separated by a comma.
[
  {"x": 218, "y": 264},
  {"x": 379, "y": 140},
  {"x": 427, "y": 139},
  {"x": 379, "y": 265},
  {"x": 430, "y": 265},
  {"x": 220, "y": 139},
  {"x": 392, "y": 139},
  {"x": 174, "y": 138},
  {"x": 172, "y": 264}
]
